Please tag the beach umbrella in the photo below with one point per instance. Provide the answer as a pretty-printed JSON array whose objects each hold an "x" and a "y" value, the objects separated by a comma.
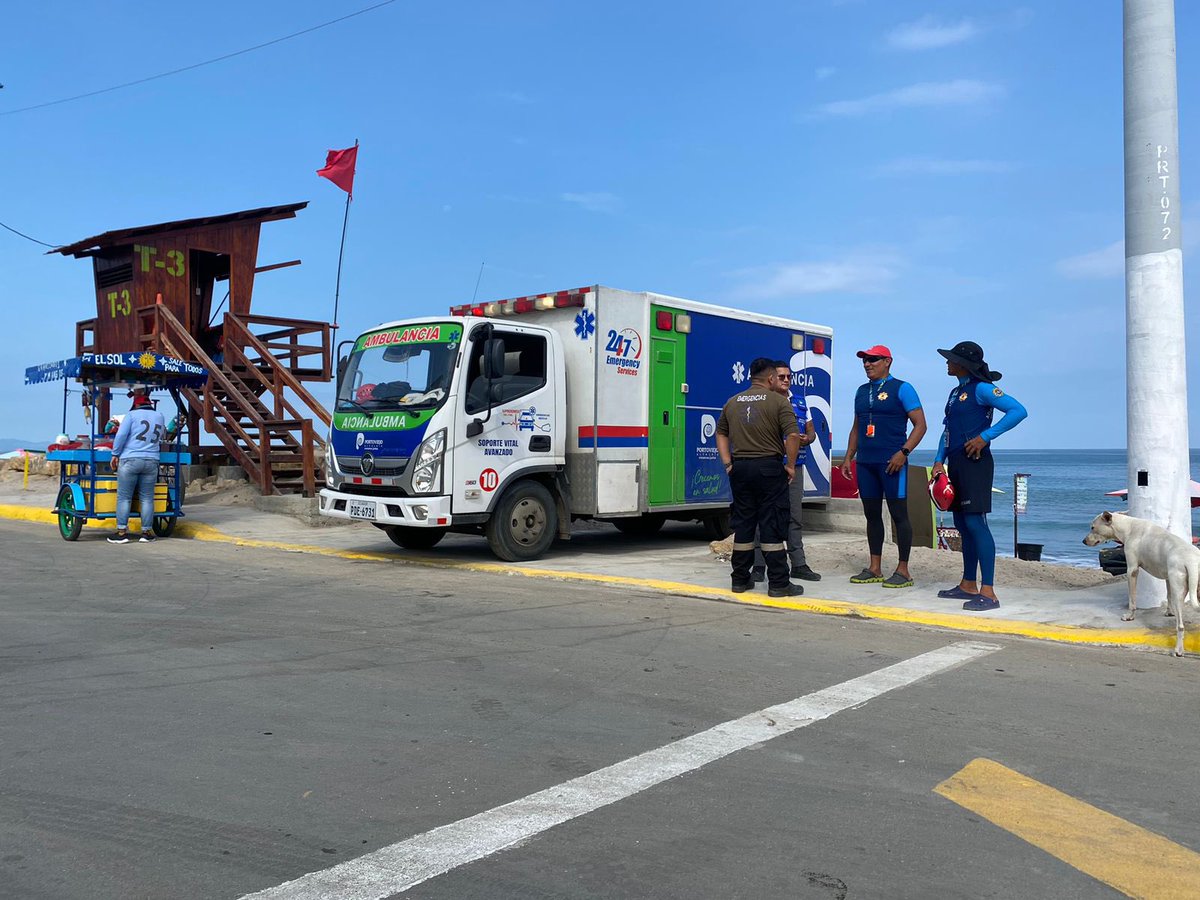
[{"x": 1194, "y": 487}]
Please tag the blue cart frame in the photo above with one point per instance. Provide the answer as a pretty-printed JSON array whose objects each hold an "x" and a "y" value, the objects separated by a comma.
[{"x": 80, "y": 469}]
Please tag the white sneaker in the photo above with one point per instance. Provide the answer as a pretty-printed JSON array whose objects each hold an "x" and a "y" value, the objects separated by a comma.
[
  {"x": 119, "y": 538},
  {"x": 148, "y": 537}
]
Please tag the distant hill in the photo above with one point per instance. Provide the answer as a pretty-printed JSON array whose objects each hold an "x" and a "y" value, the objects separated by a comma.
[{"x": 7, "y": 444}]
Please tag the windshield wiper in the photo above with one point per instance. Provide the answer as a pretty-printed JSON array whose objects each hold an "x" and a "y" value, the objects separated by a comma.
[{"x": 370, "y": 414}]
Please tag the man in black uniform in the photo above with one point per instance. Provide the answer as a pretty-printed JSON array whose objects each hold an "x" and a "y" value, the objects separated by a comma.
[{"x": 758, "y": 439}]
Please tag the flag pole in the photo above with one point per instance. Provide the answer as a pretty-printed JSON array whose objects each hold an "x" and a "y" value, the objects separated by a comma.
[{"x": 337, "y": 290}]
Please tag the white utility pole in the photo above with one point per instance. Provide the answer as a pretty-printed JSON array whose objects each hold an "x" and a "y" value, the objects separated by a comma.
[{"x": 1156, "y": 375}]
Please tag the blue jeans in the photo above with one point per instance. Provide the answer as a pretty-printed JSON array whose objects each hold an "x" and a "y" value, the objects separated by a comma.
[{"x": 139, "y": 475}]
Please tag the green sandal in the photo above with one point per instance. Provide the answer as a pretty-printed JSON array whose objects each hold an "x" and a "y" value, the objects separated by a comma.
[
  {"x": 866, "y": 576},
  {"x": 896, "y": 580}
]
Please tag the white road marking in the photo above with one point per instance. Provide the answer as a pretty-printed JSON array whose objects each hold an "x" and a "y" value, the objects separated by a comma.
[{"x": 398, "y": 867}]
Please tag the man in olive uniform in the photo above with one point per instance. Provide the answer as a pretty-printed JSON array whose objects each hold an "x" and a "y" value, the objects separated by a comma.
[{"x": 758, "y": 439}]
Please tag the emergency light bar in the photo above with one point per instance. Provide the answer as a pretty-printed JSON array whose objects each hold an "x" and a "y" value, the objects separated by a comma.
[{"x": 533, "y": 303}]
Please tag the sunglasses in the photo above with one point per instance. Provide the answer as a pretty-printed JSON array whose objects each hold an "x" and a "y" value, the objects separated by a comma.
[{"x": 873, "y": 359}]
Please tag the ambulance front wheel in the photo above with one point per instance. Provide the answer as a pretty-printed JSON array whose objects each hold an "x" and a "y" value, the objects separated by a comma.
[
  {"x": 717, "y": 526},
  {"x": 415, "y": 538},
  {"x": 524, "y": 522}
]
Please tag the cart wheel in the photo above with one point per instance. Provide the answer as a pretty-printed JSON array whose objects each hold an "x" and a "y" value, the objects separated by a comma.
[
  {"x": 69, "y": 524},
  {"x": 164, "y": 525}
]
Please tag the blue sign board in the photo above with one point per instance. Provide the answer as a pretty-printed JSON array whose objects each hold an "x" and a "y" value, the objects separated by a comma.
[{"x": 131, "y": 364}]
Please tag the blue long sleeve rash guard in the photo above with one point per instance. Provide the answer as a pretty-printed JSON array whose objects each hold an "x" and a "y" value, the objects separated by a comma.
[{"x": 985, "y": 395}]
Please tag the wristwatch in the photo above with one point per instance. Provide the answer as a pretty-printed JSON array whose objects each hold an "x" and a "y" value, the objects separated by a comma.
[{"x": 905, "y": 451}]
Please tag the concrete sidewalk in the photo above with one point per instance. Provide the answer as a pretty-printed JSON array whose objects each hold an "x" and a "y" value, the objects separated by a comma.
[{"x": 677, "y": 560}]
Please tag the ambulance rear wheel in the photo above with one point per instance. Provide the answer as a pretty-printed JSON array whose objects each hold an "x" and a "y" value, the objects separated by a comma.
[
  {"x": 718, "y": 526},
  {"x": 415, "y": 538},
  {"x": 524, "y": 523},
  {"x": 641, "y": 526}
]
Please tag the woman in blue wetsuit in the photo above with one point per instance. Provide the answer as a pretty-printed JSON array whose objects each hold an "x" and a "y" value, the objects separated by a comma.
[{"x": 964, "y": 453}]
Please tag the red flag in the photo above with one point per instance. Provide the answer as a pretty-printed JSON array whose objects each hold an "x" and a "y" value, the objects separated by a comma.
[{"x": 339, "y": 168}]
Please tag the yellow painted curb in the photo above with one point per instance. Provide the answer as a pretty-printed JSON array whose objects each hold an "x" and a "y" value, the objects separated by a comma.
[
  {"x": 1072, "y": 634},
  {"x": 43, "y": 516}
]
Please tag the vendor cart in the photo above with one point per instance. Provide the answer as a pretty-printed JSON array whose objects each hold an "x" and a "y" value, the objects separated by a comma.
[{"x": 87, "y": 484}]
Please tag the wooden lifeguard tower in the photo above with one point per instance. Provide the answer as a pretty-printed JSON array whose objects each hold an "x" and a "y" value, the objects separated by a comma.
[{"x": 155, "y": 289}]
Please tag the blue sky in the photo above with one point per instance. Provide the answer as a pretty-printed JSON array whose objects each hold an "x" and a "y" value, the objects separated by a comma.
[{"x": 909, "y": 173}]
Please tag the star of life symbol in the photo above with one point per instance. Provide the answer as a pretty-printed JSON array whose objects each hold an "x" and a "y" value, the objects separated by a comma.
[
  {"x": 739, "y": 372},
  {"x": 585, "y": 324}
]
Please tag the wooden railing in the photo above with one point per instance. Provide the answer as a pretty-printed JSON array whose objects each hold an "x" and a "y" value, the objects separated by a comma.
[
  {"x": 238, "y": 335},
  {"x": 241, "y": 376},
  {"x": 85, "y": 337},
  {"x": 169, "y": 336},
  {"x": 284, "y": 343}
]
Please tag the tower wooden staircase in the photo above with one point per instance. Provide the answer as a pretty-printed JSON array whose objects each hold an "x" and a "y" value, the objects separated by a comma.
[{"x": 255, "y": 402}]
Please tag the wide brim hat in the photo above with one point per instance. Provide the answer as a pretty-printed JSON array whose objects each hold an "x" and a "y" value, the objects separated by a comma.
[{"x": 969, "y": 355}]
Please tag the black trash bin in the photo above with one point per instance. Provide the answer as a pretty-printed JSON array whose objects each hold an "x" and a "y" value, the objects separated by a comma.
[{"x": 1031, "y": 552}]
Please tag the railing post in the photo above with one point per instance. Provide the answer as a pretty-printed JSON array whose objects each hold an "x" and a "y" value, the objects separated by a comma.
[
  {"x": 310, "y": 476},
  {"x": 264, "y": 460}
]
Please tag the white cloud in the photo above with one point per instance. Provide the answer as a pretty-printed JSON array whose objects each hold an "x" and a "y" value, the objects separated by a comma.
[
  {"x": 595, "y": 201},
  {"x": 926, "y": 166},
  {"x": 1108, "y": 262},
  {"x": 858, "y": 274},
  {"x": 825, "y": 72},
  {"x": 961, "y": 92},
  {"x": 929, "y": 33}
]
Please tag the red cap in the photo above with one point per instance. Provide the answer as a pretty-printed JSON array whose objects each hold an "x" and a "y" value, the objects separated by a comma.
[{"x": 877, "y": 350}]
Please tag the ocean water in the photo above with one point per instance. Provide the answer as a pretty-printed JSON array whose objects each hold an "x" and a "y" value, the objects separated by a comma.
[{"x": 1066, "y": 491}]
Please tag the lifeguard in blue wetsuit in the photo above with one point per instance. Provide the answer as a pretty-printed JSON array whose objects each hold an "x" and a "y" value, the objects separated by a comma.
[
  {"x": 884, "y": 407},
  {"x": 964, "y": 453}
]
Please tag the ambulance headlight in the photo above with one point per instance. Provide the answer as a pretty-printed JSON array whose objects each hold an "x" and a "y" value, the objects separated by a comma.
[{"x": 427, "y": 464}]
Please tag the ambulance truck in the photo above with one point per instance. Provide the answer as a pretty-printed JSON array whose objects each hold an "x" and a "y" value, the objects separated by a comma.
[{"x": 513, "y": 419}]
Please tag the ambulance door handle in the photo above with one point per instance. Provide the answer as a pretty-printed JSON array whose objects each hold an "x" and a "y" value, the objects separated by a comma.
[{"x": 666, "y": 417}]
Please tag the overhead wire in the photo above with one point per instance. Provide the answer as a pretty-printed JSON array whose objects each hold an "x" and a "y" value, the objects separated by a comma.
[
  {"x": 27, "y": 237},
  {"x": 207, "y": 62}
]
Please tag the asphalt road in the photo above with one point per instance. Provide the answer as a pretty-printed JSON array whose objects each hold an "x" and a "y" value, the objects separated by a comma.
[{"x": 190, "y": 719}]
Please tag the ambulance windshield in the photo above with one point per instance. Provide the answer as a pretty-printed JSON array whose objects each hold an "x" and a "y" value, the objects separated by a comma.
[{"x": 409, "y": 367}]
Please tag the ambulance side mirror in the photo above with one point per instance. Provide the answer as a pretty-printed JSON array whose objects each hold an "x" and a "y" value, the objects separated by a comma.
[
  {"x": 343, "y": 352},
  {"x": 475, "y": 428},
  {"x": 493, "y": 359}
]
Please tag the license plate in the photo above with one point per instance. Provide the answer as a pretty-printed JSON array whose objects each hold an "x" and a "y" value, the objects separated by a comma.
[{"x": 361, "y": 509}]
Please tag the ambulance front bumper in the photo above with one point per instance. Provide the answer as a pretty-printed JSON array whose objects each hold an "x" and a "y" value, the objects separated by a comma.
[{"x": 414, "y": 512}]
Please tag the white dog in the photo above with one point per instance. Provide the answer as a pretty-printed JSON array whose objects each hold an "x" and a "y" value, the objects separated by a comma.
[{"x": 1162, "y": 554}]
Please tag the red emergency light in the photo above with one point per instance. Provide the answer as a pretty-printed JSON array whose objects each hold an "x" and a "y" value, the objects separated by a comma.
[
  {"x": 532, "y": 303},
  {"x": 663, "y": 320}
]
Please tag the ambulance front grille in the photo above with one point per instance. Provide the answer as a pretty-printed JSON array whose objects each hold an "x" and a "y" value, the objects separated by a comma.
[{"x": 384, "y": 466}]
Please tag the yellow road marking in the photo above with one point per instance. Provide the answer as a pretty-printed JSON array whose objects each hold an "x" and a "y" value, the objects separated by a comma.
[
  {"x": 1134, "y": 861},
  {"x": 1073, "y": 634}
]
